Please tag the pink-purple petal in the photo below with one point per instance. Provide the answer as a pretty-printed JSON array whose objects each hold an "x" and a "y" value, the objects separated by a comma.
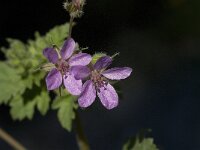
[
  {"x": 51, "y": 55},
  {"x": 108, "y": 96},
  {"x": 81, "y": 59},
  {"x": 117, "y": 73},
  {"x": 68, "y": 48},
  {"x": 53, "y": 79},
  {"x": 72, "y": 85},
  {"x": 103, "y": 62},
  {"x": 88, "y": 94},
  {"x": 80, "y": 72}
]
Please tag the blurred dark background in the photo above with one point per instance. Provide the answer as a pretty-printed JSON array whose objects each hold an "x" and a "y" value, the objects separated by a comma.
[{"x": 159, "y": 39}]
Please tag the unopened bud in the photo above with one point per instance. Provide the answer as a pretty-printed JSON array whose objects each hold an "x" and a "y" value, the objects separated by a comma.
[
  {"x": 75, "y": 7},
  {"x": 77, "y": 3}
]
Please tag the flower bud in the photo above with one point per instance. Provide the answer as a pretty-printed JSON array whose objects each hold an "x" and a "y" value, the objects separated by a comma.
[
  {"x": 75, "y": 7},
  {"x": 77, "y": 3}
]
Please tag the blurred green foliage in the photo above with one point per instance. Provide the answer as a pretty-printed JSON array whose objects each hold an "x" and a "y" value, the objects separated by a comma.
[
  {"x": 140, "y": 142},
  {"x": 22, "y": 85},
  {"x": 145, "y": 144}
]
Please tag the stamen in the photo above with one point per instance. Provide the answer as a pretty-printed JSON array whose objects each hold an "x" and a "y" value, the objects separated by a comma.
[
  {"x": 62, "y": 66},
  {"x": 98, "y": 80}
]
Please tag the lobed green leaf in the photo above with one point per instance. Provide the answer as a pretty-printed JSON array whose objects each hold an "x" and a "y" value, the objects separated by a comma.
[
  {"x": 140, "y": 144},
  {"x": 11, "y": 83},
  {"x": 65, "y": 106}
]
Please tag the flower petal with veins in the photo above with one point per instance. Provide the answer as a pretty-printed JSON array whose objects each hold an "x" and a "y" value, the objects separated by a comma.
[
  {"x": 103, "y": 62},
  {"x": 117, "y": 73},
  {"x": 108, "y": 96},
  {"x": 53, "y": 79},
  {"x": 88, "y": 94},
  {"x": 80, "y": 72},
  {"x": 68, "y": 48},
  {"x": 81, "y": 59},
  {"x": 51, "y": 55},
  {"x": 72, "y": 85}
]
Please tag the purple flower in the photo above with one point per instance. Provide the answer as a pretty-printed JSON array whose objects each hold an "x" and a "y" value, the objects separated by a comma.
[
  {"x": 98, "y": 83},
  {"x": 64, "y": 62}
]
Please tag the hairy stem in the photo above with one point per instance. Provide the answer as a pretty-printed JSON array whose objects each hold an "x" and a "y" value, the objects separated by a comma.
[
  {"x": 70, "y": 25},
  {"x": 80, "y": 136},
  {"x": 10, "y": 140}
]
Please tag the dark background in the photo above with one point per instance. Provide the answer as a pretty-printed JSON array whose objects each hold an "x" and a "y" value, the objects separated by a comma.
[{"x": 159, "y": 39}]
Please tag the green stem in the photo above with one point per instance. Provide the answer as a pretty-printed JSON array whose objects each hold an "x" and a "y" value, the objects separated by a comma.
[
  {"x": 80, "y": 136},
  {"x": 10, "y": 140},
  {"x": 70, "y": 26}
]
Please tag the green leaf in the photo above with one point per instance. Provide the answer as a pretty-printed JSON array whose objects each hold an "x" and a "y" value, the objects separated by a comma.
[
  {"x": 29, "y": 109},
  {"x": 17, "y": 108},
  {"x": 20, "y": 111},
  {"x": 10, "y": 83},
  {"x": 43, "y": 102},
  {"x": 23, "y": 107},
  {"x": 66, "y": 114},
  {"x": 58, "y": 34},
  {"x": 137, "y": 144}
]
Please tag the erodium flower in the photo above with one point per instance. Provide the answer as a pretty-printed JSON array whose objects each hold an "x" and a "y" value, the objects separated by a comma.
[
  {"x": 64, "y": 61},
  {"x": 98, "y": 83}
]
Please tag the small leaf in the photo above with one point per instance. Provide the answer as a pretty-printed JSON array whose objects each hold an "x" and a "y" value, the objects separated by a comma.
[
  {"x": 137, "y": 144},
  {"x": 43, "y": 102},
  {"x": 17, "y": 108},
  {"x": 20, "y": 111},
  {"x": 30, "y": 109},
  {"x": 10, "y": 83},
  {"x": 66, "y": 114}
]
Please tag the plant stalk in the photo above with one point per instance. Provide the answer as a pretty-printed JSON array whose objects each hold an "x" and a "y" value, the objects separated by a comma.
[
  {"x": 80, "y": 136},
  {"x": 70, "y": 26},
  {"x": 10, "y": 140}
]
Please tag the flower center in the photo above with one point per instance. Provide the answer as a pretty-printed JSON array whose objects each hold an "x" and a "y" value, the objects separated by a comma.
[
  {"x": 98, "y": 80},
  {"x": 62, "y": 66}
]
